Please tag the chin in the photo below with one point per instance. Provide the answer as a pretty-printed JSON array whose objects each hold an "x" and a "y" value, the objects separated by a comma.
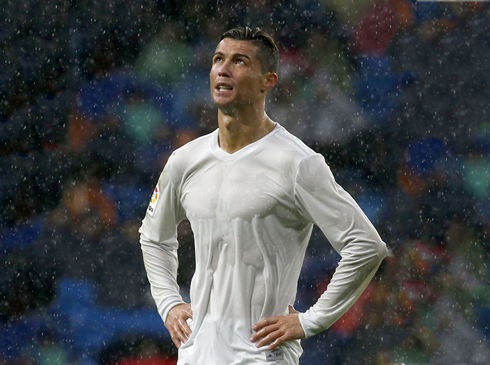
[{"x": 222, "y": 104}]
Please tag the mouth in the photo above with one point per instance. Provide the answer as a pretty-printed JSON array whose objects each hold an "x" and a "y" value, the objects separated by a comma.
[{"x": 223, "y": 87}]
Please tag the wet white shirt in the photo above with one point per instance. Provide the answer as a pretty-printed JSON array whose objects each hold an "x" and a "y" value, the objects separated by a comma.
[{"x": 252, "y": 213}]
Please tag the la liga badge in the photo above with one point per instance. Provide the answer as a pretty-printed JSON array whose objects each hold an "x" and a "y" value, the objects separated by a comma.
[{"x": 153, "y": 202}]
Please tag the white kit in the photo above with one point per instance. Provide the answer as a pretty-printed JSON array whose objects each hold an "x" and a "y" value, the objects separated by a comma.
[{"x": 252, "y": 214}]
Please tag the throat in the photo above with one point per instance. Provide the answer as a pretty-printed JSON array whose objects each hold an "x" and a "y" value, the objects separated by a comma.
[{"x": 232, "y": 137}]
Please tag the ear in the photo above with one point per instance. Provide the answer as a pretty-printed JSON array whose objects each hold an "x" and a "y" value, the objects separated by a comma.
[{"x": 270, "y": 80}]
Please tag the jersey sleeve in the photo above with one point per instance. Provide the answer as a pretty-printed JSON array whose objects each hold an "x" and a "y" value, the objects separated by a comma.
[
  {"x": 323, "y": 202},
  {"x": 158, "y": 238}
]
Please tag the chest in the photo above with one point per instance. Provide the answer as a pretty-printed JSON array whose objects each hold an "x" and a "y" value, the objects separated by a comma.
[{"x": 243, "y": 190}]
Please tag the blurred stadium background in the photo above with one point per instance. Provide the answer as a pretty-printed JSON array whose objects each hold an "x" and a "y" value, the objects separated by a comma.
[{"x": 94, "y": 95}]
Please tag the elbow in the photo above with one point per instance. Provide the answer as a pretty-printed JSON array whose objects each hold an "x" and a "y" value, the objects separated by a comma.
[
  {"x": 375, "y": 255},
  {"x": 382, "y": 250},
  {"x": 375, "y": 251},
  {"x": 378, "y": 248},
  {"x": 369, "y": 252}
]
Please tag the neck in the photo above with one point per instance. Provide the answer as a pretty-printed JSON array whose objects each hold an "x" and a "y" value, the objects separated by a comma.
[{"x": 238, "y": 131}]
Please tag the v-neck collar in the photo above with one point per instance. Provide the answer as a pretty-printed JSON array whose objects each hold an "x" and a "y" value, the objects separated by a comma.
[{"x": 225, "y": 156}]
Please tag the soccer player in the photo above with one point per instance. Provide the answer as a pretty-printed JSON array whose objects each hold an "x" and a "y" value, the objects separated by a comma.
[{"x": 252, "y": 193}]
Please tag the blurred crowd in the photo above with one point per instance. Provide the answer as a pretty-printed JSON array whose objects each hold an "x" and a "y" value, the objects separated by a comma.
[{"x": 94, "y": 96}]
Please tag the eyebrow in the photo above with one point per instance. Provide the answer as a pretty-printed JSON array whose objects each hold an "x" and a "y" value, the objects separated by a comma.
[{"x": 234, "y": 55}]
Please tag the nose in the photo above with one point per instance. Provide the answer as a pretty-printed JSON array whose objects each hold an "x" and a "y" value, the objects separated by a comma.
[{"x": 224, "y": 69}]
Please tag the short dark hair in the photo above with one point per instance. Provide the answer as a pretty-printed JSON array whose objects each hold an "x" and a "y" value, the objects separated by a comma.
[{"x": 268, "y": 53}]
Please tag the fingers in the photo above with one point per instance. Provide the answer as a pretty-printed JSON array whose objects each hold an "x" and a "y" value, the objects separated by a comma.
[
  {"x": 264, "y": 330},
  {"x": 184, "y": 326},
  {"x": 269, "y": 331},
  {"x": 179, "y": 333},
  {"x": 276, "y": 330},
  {"x": 272, "y": 339},
  {"x": 177, "y": 337},
  {"x": 176, "y": 324},
  {"x": 273, "y": 336},
  {"x": 263, "y": 323}
]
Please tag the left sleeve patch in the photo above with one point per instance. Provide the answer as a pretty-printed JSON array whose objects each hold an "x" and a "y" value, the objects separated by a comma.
[{"x": 153, "y": 202}]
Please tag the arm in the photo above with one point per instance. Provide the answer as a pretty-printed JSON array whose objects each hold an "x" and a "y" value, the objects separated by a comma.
[
  {"x": 159, "y": 247},
  {"x": 322, "y": 201}
]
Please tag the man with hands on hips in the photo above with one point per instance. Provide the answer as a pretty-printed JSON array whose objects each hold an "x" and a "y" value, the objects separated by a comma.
[{"x": 252, "y": 193}]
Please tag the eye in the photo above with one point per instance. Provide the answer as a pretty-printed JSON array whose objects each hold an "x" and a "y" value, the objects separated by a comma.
[
  {"x": 240, "y": 61},
  {"x": 217, "y": 59}
]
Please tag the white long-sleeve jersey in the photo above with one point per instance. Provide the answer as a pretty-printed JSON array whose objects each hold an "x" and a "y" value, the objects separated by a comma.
[{"x": 252, "y": 214}]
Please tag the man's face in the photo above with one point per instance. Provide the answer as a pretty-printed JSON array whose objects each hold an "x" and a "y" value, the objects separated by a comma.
[{"x": 236, "y": 77}]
